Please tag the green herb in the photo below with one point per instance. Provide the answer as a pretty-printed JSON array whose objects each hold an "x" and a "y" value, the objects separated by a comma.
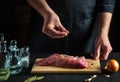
[
  {"x": 34, "y": 78},
  {"x": 4, "y": 74}
]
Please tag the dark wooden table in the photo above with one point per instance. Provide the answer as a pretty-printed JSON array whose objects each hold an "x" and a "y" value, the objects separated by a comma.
[{"x": 114, "y": 77}]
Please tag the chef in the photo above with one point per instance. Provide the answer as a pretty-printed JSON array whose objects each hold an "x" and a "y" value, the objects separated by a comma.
[{"x": 71, "y": 26}]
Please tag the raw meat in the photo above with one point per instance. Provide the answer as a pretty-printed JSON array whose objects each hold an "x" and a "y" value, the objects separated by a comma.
[{"x": 61, "y": 60}]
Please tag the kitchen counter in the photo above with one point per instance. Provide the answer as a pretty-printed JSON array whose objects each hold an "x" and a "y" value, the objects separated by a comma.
[{"x": 26, "y": 73}]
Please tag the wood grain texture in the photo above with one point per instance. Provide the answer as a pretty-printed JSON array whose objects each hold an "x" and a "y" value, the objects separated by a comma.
[{"x": 94, "y": 67}]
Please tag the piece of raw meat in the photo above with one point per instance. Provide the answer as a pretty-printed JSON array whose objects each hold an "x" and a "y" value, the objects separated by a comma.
[{"x": 61, "y": 60}]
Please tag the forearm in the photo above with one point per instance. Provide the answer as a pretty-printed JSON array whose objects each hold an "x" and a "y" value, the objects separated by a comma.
[
  {"x": 104, "y": 20},
  {"x": 41, "y": 7}
]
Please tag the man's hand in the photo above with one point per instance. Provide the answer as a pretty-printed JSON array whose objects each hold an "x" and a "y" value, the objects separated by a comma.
[
  {"x": 53, "y": 27},
  {"x": 102, "y": 48},
  {"x": 102, "y": 44}
]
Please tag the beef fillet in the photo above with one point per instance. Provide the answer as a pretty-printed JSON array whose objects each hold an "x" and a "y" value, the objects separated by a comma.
[{"x": 66, "y": 61}]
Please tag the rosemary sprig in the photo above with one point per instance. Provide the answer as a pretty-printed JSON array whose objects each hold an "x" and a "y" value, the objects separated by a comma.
[{"x": 34, "y": 78}]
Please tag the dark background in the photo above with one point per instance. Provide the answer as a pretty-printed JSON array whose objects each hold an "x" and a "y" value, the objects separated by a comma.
[{"x": 14, "y": 20}]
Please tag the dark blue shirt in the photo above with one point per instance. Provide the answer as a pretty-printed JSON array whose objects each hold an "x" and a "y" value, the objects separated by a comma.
[{"x": 79, "y": 17}]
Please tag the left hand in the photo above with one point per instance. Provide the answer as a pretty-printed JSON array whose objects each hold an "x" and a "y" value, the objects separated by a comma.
[{"x": 102, "y": 47}]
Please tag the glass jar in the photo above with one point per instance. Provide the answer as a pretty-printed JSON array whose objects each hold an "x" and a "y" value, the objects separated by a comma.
[{"x": 25, "y": 53}]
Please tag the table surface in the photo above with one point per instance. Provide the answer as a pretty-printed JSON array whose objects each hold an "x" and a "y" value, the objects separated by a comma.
[{"x": 26, "y": 73}]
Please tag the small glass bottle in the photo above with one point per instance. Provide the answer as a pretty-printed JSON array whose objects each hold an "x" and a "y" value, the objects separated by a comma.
[
  {"x": 15, "y": 63},
  {"x": 25, "y": 53},
  {"x": 4, "y": 61}
]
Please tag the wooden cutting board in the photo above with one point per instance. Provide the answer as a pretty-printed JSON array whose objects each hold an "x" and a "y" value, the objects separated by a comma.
[{"x": 94, "y": 67}]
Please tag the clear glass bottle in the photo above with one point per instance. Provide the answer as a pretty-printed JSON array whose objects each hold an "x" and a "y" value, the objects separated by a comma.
[
  {"x": 15, "y": 63},
  {"x": 25, "y": 56},
  {"x": 4, "y": 61}
]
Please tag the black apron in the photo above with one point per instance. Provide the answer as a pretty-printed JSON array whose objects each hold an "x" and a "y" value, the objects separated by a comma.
[{"x": 78, "y": 16}]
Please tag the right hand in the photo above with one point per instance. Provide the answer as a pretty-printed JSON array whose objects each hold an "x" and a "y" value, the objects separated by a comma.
[
  {"x": 102, "y": 47},
  {"x": 53, "y": 27}
]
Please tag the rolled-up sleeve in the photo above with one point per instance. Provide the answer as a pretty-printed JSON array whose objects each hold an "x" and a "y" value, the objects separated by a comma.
[{"x": 105, "y": 5}]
